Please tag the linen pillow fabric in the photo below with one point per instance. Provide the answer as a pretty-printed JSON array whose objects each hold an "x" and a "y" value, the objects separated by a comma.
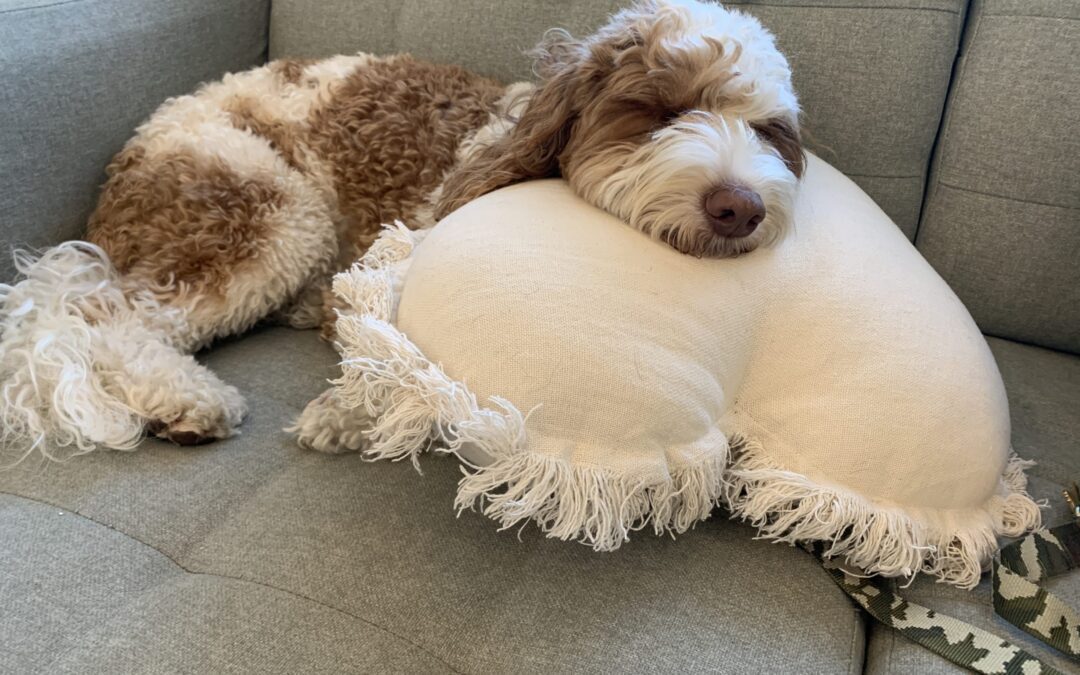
[{"x": 597, "y": 382}]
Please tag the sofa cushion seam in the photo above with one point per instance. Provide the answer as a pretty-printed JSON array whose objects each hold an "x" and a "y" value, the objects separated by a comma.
[
  {"x": 218, "y": 575},
  {"x": 858, "y": 614},
  {"x": 952, "y": 93},
  {"x": 906, "y": 8},
  {"x": 873, "y": 175},
  {"x": 31, "y": 8},
  {"x": 1032, "y": 16},
  {"x": 1006, "y": 197}
]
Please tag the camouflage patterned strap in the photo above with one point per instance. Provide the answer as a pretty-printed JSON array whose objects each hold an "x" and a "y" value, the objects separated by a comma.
[
  {"x": 1020, "y": 600},
  {"x": 959, "y": 642}
]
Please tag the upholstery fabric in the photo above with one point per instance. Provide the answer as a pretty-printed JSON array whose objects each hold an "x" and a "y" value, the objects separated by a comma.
[
  {"x": 71, "y": 585},
  {"x": 1002, "y": 220},
  {"x": 870, "y": 409},
  {"x": 1044, "y": 389},
  {"x": 872, "y": 76},
  {"x": 79, "y": 76},
  {"x": 252, "y": 555}
]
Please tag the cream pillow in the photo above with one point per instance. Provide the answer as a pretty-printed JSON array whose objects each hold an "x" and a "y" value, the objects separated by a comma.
[{"x": 830, "y": 388}]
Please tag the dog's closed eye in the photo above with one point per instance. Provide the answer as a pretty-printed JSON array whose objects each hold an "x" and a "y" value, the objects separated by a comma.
[
  {"x": 666, "y": 118},
  {"x": 671, "y": 115}
]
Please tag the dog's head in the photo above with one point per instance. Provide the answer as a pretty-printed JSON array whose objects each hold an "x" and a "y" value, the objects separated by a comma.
[{"x": 677, "y": 116}]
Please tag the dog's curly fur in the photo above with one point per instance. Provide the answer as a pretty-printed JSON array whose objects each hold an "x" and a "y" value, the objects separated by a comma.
[
  {"x": 236, "y": 201},
  {"x": 236, "y": 204}
]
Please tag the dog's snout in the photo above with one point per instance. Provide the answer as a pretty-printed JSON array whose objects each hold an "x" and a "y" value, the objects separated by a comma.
[{"x": 734, "y": 211}]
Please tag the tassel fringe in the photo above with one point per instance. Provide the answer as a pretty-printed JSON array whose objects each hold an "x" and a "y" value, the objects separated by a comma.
[{"x": 896, "y": 542}]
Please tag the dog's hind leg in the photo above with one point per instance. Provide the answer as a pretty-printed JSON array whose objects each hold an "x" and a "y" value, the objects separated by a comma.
[
  {"x": 184, "y": 401},
  {"x": 176, "y": 397},
  {"x": 95, "y": 341},
  {"x": 85, "y": 364},
  {"x": 235, "y": 241}
]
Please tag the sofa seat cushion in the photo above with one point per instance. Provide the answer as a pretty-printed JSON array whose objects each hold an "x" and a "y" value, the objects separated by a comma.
[
  {"x": 253, "y": 554},
  {"x": 83, "y": 597},
  {"x": 1044, "y": 398}
]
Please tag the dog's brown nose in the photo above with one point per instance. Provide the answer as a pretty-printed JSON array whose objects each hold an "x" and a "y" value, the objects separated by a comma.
[{"x": 734, "y": 211}]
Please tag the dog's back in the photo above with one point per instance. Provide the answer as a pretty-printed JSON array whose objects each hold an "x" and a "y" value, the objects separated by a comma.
[
  {"x": 229, "y": 206},
  {"x": 234, "y": 199}
]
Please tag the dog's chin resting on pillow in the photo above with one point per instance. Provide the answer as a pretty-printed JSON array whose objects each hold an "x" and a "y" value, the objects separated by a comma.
[{"x": 829, "y": 388}]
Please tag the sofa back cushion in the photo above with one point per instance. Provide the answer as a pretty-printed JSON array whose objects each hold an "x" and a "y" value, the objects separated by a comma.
[
  {"x": 872, "y": 79},
  {"x": 79, "y": 76},
  {"x": 1002, "y": 219}
]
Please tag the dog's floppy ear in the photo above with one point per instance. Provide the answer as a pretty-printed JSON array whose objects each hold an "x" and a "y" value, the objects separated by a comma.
[{"x": 532, "y": 147}]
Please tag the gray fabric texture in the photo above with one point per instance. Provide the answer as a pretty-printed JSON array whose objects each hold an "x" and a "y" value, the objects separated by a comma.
[
  {"x": 119, "y": 606},
  {"x": 79, "y": 76},
  {"x": 872, "y": 76},
  {"x": 1044, "y": 402},
  {"x": 1002, "y": 221},
  {"x": 252, "y": 555}
]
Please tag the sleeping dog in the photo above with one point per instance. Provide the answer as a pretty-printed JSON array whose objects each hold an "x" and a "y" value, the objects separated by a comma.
[{"x": 238, "y": 203}]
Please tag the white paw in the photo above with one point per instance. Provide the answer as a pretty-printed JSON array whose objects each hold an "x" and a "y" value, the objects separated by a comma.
[
  {"x": 216, "y": 415},
  {"x": 326, "y": 426}
]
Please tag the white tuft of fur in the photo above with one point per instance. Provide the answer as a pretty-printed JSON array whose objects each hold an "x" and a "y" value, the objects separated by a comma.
[
  {"x": 54, "y": 327},
  {"x": 761, "y": 85},
  {"x": 84, "y": 364},
  {"x": 953, "y": 546}
]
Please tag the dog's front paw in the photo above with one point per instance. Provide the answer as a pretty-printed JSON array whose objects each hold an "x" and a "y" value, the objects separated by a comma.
[
  {"x": 215, "y": 416},
  {"x": 327, "y": 426}
]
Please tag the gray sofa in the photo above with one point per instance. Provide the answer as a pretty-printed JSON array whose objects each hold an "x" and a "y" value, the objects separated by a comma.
[{"x": 961, "y": 119}]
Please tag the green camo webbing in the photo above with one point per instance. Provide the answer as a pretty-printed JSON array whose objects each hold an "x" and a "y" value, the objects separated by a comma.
[{"x": 1018, "y": 598}]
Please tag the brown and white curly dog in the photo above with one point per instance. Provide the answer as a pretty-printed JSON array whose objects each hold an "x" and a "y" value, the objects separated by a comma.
[{"x": 236, "y": 204}]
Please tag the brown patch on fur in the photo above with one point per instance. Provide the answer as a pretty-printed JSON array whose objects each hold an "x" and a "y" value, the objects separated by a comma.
[
  {"x": 184, "y": 225},
  {"x": 291, "y": 70},
  {"x": 391, "y": 133},
  {"x": 180, "y": 224},
  {"x": 604, "y": 94},
  {"x": 286, "y": 139},
  {"x": 331, "y": 305}
]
